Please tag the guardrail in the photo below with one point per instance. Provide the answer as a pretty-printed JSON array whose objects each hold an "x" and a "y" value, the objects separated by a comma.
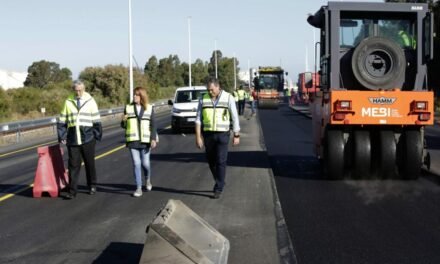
[{"x": 20, "y": 126}]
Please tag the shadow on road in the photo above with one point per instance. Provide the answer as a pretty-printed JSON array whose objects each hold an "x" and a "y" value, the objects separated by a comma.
[
  {"x": 120, "y": 252},
  {"x": 203, "y": 193},
  {"x": 251, "y": 159}
]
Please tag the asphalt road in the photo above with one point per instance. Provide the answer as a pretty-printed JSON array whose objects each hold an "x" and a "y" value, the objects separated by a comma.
[
  {"x": 348, "y": 221},
  {"x": 273, "y": 180},
  {"x": 110, "y": 227}
]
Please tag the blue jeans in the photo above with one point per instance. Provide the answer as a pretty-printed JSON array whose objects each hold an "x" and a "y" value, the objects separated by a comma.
[
  {"x": 141, "y": 157},
  {"x": 253, "y": 106}
]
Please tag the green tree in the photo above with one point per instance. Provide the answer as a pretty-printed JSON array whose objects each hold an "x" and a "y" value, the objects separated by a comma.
[
  {"x": 151, "y": 69},
  {"x": 166, "y": 74},
  {"x": 178, "y": 71},
  {"x": 225, "y": 70},
  {"x": 4, "y": 105},
  {"x": 199, "y": 72},
  {"x": 110, "y": 85},
  {"x": 42, "y": 73}
]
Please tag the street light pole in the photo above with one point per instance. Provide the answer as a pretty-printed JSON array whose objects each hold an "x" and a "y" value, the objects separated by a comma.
[
  {"x": 130, "y": 51},
  {"x": 189, "y": 49}
]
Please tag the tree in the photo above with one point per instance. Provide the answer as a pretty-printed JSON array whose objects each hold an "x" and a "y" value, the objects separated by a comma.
[
  {"x": 199, "y": 72},
  {"x": 42, "y": 73},
  {"x": 4, "y": 104},
  {"x": 225, "y": 70},
  {"x": 151, "y": 69}
]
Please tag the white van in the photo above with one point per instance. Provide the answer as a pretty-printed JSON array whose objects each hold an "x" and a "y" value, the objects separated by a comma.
[{"x": 186, "y": 99}]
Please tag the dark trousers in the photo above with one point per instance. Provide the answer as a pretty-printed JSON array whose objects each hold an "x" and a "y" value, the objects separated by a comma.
[
  {"x": 86, "y": 153},
  {"x": 216, "y": 147},
  {"x": 240, "y": 107}
]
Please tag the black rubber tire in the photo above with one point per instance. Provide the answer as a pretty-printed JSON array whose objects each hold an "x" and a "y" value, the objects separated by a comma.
[
  {"x": 387, "y": 155},
  {"x": 175, "y": 129},
  {"x": 411, "y": 163},
  {"x": 378, "y": 63},
  {"x": 334, "y": 154},
  {"x": 361, "y": 154}
]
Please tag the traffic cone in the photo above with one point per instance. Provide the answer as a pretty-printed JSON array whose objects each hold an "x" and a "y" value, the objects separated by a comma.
[{"x": 50, "y": 175}]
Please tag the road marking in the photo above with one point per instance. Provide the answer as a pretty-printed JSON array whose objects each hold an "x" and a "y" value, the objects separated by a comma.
[
  {"x": 10, "y": 195},
  {"x": 21, "y": 150}
]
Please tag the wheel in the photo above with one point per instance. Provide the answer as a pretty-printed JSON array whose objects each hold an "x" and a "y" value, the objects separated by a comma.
[
  {"x": 334, "y": 154},
  {"x": 387, "y": 155},
  {"x": 411, "y": 156},
  {"x": 361, "y": 154},
  {"x": 378, "y": 63},
  {"x": 175, "y": 129}
]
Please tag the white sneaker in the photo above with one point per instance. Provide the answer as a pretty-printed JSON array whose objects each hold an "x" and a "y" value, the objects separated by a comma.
[
  {"x": 148, "y": 185},
  {"x": 138, "y": 192}
]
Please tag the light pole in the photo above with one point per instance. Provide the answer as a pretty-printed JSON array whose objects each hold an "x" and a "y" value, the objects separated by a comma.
[
  {"x": 130, "y": 51},
  {"x": 215, "y": 55},
  {"x": 189, "y": 49}
]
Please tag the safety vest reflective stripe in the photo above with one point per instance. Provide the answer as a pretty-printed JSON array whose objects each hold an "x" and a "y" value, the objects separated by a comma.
[
  {"x": 216, "y": 118},
  {"x": 138, "y": 130}
]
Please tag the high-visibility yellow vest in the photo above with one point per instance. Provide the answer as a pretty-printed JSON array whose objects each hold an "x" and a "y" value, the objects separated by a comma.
[
  {"x": 85, "y": 116},
  {"x": 216, "y": 118},
  {"x": 407, "y": 40},
  {"x": 235, "y": 96},
  {"x": 241, "y": 95},
  {"x": 249, "y": 97},
  {"x": 138, "y": 130}
]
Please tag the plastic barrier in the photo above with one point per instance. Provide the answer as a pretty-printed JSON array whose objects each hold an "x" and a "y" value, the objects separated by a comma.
[
  {"x": 178, "y": 235},
  {"x": 50, "y": 176}
]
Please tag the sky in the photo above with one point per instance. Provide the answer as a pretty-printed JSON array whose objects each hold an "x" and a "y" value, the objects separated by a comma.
[{"x": 84, "y": 33}]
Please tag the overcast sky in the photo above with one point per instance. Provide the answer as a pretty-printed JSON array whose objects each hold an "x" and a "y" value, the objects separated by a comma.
[{"x": 81, "y": 33}]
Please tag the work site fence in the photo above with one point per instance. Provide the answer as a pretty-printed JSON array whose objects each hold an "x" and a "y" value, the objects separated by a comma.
[{"x": 19, "y": 127}]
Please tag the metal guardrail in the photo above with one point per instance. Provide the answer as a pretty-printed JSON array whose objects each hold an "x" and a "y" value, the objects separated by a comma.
[{"x": 19, "y": 126}]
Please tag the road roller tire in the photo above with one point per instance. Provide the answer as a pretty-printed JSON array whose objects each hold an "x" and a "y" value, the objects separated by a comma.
[
  {"x": 411, "y": 156},
  {"x": 387, "y": 155},
  {"x": 378, "y": 63},
  {"x": 361, "y": 154},
  {"x": 334, "y": 155}
]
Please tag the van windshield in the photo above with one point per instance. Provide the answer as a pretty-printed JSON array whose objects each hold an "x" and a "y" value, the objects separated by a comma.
[{"x": 189, "y": 96}]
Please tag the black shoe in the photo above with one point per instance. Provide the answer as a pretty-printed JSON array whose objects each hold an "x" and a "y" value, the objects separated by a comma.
[
  {"x": 92, "y": 190},
  {"x": 69, "y": 196},
  {"x": 217, "y": 195}
]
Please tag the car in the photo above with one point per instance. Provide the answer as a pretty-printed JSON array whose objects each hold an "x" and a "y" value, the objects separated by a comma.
[{"x": 185, "y": 103}]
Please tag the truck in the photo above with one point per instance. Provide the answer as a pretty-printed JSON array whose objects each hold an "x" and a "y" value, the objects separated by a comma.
[
  {"x": 308, "y": 85},
  {"x": 269, "y": 85},
  {"x": 374, "y": 101}
]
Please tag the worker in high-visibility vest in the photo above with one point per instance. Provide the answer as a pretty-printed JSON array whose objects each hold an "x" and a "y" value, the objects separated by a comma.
[
  {"x": 406, "y": 40},
  {"x": 252, "y": 100},
  {"x": 79, "y": 127},
  {"x": 215, "y": 113},
  {"x": 140, "y": 136},
  {"x": 241, "y": 100}
]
